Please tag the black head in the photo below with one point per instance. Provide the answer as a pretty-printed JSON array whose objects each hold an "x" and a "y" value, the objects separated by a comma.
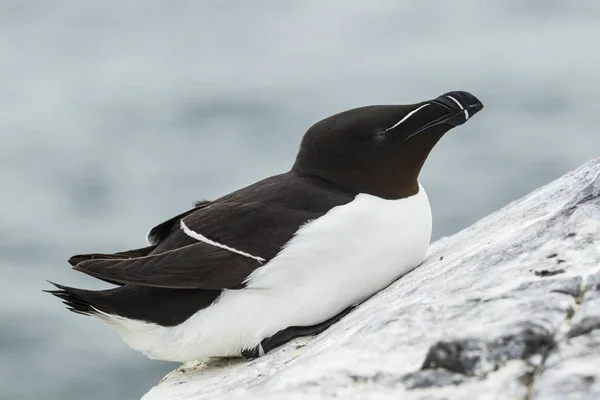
[{"x": 380, "y": 150}]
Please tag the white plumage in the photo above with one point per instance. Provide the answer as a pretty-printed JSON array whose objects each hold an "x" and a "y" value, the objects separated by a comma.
[
  {"x": 331, "y": 263},
  {"x": 201, "y": 238}
]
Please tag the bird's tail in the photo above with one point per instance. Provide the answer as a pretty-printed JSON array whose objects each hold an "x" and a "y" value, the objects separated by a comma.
[{"x": 80, "y": 301}]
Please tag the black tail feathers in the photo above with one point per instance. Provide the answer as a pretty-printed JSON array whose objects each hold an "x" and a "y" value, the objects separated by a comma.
[{"x": 74, "y": 299}]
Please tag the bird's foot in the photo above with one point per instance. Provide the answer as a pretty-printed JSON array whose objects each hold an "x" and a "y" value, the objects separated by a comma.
[
  {"x": 293, "y": 332},
  {"x": 255, "y": 352}
]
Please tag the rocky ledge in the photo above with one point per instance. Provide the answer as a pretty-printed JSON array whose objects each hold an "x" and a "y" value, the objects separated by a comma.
[{"x": 508, "y": 308}]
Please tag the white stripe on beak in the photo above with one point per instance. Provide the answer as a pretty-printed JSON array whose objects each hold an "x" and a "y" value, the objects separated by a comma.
[
  {"x": 460, "y": 105},
  {"x": 407, "y": 116}
]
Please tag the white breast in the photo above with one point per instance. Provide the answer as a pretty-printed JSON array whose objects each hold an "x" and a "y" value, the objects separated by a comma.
[{"x": 331, "y": 263}]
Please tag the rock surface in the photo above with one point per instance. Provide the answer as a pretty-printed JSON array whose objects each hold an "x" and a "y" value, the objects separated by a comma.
[{"x": 508, "y": 308}]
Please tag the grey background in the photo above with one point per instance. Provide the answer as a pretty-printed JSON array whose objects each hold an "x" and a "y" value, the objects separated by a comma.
[{"x": 115, "y": 115}]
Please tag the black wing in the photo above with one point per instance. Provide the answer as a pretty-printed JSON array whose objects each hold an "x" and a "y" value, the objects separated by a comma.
[
  {"x": 197, "y": 266},
  {"x": 250, "y": 227}
]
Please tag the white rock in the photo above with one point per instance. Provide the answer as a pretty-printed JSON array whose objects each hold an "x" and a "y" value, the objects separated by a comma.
[{"x": 507, "y": 308}]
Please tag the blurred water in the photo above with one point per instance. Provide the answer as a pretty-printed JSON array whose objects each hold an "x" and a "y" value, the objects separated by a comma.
[{"x": 108, "y": 110}]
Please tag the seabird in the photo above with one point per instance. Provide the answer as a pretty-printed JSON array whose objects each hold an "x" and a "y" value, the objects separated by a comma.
[{"x": 287, "y": 256}]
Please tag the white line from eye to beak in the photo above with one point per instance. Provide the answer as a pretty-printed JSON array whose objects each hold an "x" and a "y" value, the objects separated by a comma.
[
  {"x": 407, "y": 116},
  {"x": 460, "y": 105},
  {"x": 201, "y": 238}
]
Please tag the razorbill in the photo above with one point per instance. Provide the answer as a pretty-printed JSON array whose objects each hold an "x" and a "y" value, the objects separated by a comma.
[{"x": 287, "y": 256}]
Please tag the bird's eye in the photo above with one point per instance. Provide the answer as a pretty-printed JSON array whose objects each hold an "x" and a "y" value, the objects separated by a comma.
[{"x": 380, "y": 136}]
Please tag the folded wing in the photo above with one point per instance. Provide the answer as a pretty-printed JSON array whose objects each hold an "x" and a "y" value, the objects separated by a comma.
[
  {"x": 218, "y": 244},
  {"x": 196, "y": 266}
]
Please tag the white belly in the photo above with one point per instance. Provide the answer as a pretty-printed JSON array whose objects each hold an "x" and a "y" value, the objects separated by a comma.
[{"x": 331, "y": 263}]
